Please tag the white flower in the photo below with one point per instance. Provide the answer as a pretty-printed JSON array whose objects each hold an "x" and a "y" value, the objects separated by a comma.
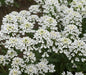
[
  {"x": 14, "y": 72},
  {"x": 11, "y": 53},
  {"x": 72, "y": 18},
  {"x": 79, "y": 6},
  {"x": 26, "y": 27},
  {"x": 79, "y": 45},
  {"x": 31, "y": 69},
  {"x": 2, "y": 59},
  {"x": 55, "y": 35},
  {"x": 27, "y": 41},
  {"x": 45, "y": 55},
  {"x": 16, "y": 62},
  {"x": 43, "y": 66},
  {"x": 79, "y": 73},
  {"x": 51, "y": 68},
  {"x": 33, "y": 18},
  {"x": 24, "y": 13},
  {"x": 29, "y": 56},
  {"x": 12, "y": 42},
  {"x": 66, "y": 41},
  {"x": 43, "y": 38},
  {"x": 9, "y": 28},
  {"x": 9, "y": 1},
  {"x": 48, "y": 22},
  {"x": 10, "y": 18},
  {"x": 51, "y": 2},
  {"x": 3, "y": 36},
  {"x": 15, "y": 13},
  {"x": 68, "y": 73},
  {"x": 34, "y": 8},
  {"x": 71, "y": 31}
]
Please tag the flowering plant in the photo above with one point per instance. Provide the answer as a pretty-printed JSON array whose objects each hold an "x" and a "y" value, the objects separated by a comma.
[
  {"x": 44, "y": 40},
  {"x": 6, "y": 2}
]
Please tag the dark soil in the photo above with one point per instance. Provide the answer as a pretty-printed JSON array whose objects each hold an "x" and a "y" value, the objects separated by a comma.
[{"x": 20, "y": 5}]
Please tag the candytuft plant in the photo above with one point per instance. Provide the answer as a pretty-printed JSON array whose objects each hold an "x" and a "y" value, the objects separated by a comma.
[{"x": 44, "y": 40}]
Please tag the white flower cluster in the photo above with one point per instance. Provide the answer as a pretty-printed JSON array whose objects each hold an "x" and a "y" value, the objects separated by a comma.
[
  {"x": 69, "y": 73},
  {"x": 7, "y": 2},
  {"x": 79, "y": 5},
  {"x": 47, "y": 22},
  {"x": 71, "y": 31},
  {"x": 65, "y": 19},
  {"x": 34, "y": 8},
  {"x": 21, "y": 40},
  {"x": 26, "y": 34},
  {"x": 42, "y": 67}
]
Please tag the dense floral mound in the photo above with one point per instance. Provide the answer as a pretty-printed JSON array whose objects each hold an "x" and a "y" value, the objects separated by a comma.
[{"x": 44, "y": 40}]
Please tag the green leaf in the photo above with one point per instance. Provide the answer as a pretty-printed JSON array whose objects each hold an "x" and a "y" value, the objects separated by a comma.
[
  {"x": 3, "y": 74},
  {"x": 16, "y": 4}
]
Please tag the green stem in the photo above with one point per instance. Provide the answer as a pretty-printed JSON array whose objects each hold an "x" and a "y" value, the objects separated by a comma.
[{"x": 2, "y": 68}]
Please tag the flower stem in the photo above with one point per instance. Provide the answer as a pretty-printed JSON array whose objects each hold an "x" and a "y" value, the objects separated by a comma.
[{"x": 2, "y": 68}]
